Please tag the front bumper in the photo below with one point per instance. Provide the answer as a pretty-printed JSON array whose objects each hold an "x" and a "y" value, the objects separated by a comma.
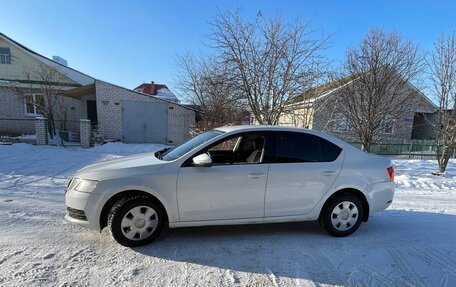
[
  {"x": 80, "y": 205},
  {"x": 84, "y": 223},
  {"x": 76, "y": 214}
]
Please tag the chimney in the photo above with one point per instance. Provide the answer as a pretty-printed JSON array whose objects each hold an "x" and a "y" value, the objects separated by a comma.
[
  {"x": 152, "y": 88},
  {"x": 60, "y": 60}
]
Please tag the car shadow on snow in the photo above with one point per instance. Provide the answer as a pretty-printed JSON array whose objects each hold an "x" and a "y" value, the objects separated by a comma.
[{"x": 304, "y": 250}]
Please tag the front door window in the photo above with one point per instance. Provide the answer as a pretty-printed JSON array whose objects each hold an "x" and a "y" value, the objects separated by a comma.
[{"x": 246, "y": 149}]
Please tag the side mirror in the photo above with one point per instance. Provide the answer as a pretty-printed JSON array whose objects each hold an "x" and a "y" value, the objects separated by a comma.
[{"x": 202, "y": 160}]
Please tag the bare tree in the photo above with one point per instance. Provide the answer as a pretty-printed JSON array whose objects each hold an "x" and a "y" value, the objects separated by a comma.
[
  {"x": 268, "y": 59},
  {"x": 301, "y": 109},
  {"x": 45, "y": 82},
  {"x": 374, "y": 88},
  {"x": 443, "y": 75},
  {"x": 210, "y": 86}
]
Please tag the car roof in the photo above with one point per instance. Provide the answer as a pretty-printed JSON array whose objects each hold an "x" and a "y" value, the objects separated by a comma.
[
  {"x": 228, "y": 129},
  {"x": 246, "y": 128}
]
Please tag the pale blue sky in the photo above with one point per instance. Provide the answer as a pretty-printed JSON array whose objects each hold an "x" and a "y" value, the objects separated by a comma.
[{"x": 130, "y": 42}]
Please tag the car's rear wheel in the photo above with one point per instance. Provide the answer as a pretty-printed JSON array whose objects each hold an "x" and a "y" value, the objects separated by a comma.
[
  {"x": 135, "y": 221},
  {"x": 343, "y": 215}
]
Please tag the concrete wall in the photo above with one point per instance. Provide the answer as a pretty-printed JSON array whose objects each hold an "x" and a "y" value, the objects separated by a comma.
[
  {"x": 180, "y": 120},
  {"x": 109, "y": 109}
]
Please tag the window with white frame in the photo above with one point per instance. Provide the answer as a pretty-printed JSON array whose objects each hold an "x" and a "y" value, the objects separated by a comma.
[
  {"x": 5, "y": 56},
  {"x": 33, "y": 104},
  {"x": 340, "y": 122}
]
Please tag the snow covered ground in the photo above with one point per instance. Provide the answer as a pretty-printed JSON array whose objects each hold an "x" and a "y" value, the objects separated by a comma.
[{"x": 413, "y": 243}]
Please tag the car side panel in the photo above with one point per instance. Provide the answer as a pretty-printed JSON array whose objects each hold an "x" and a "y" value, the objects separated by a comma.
[
  {"x": 296, "y": 188},
  {"x": 162, "y": 186},
  {"x": 221, "y": 192},
  {"x": 367, "y": 174}
]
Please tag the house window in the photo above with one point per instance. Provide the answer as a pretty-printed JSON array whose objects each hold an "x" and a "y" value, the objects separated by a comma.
[
  {"x": 341, "y": 122},
  {"x": 5, "y": 56},
  {"x": 33, "y": 104},
  {"x": 388, "y": 126}
]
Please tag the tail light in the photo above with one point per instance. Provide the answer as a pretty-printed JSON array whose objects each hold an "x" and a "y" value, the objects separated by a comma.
[{"x": 391, "y": 172}]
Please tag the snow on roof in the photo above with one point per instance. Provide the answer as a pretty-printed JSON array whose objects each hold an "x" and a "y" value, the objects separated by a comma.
[
  {"x": 165, "y": 93},
  {"x": 147, "y": 88}
]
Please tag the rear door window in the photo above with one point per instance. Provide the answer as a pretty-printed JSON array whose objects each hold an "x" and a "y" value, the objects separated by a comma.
[{"x": 303, "y": 147}]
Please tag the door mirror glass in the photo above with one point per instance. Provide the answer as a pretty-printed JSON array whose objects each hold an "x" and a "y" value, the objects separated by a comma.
[{"x": 202, "y": 160}]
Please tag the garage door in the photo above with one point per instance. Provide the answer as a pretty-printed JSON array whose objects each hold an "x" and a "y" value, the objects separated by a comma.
[{"x": 144, "y": 122}]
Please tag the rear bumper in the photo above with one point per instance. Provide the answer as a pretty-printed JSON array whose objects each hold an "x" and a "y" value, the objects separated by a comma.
[{"x": 381, "y": 196}]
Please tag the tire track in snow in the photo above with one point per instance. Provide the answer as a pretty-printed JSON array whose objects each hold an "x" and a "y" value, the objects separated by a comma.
[
  {"x": 375, "y": 276},
  {"x": 28, "y": 165},
  {"x": 444, "y": 280},
  {"x": 434, "y": 259},
  {"x": 439, "y": 253},
  {"x": 186, "y": 274},
  {"x": 3, "y": 157},
  {"x": 232, "y": 278},
  {"x": 259, "y": 280},
  {"x": 403, "y": 266},
  {"x": 317, "y": 266},
  {"x": 17, "y": 182},
  {"x": 8, "y": 256},
  {"x": 272, "y": 277}
]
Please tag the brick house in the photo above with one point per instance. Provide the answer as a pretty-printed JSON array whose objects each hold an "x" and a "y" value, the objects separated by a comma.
[
  {"x": 160, "y": 91},
  {"x": 118, "y": 113},
  {"x": 319, "y": 111}
]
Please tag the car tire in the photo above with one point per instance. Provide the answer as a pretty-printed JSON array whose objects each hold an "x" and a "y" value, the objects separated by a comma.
[
  {"x": 135, "y": 221},
  {"x": 343, "y": 215}
]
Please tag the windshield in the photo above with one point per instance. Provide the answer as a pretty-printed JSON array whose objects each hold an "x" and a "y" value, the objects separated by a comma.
[{"x": 190, "y": 145}]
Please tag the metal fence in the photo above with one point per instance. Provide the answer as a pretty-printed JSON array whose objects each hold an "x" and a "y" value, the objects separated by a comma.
[
  {"x": 68, "y": 132},
  {"x": 23, "y": 130},
  {"x": 71, "y": 126},
  {"x": 410, "y": 148},
  {"x": 11, "y": 127}
]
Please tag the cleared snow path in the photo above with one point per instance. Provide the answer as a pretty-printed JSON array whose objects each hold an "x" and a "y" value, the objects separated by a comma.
[{"x": 411, "y": 244}]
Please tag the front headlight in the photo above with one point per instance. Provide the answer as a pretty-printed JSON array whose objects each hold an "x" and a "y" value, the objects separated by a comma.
[{"x": 85, "y": 185}]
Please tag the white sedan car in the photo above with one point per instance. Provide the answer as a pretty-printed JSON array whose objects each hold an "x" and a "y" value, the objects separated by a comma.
[{"x": 233, "y": 175}]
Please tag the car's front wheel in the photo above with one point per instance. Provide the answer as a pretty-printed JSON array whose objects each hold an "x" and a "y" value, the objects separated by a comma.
[
  {"x": 135, "y": 221},
  {"x": 343, "y": 215}
]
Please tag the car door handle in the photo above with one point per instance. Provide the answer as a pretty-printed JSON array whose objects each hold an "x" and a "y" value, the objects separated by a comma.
[
  {"x": 256, "y": 175},
  {"x": 328, "y": 172}
]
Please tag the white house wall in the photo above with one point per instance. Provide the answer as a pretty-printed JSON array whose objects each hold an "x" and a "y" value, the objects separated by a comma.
[{"x": 13, "y": 118}]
